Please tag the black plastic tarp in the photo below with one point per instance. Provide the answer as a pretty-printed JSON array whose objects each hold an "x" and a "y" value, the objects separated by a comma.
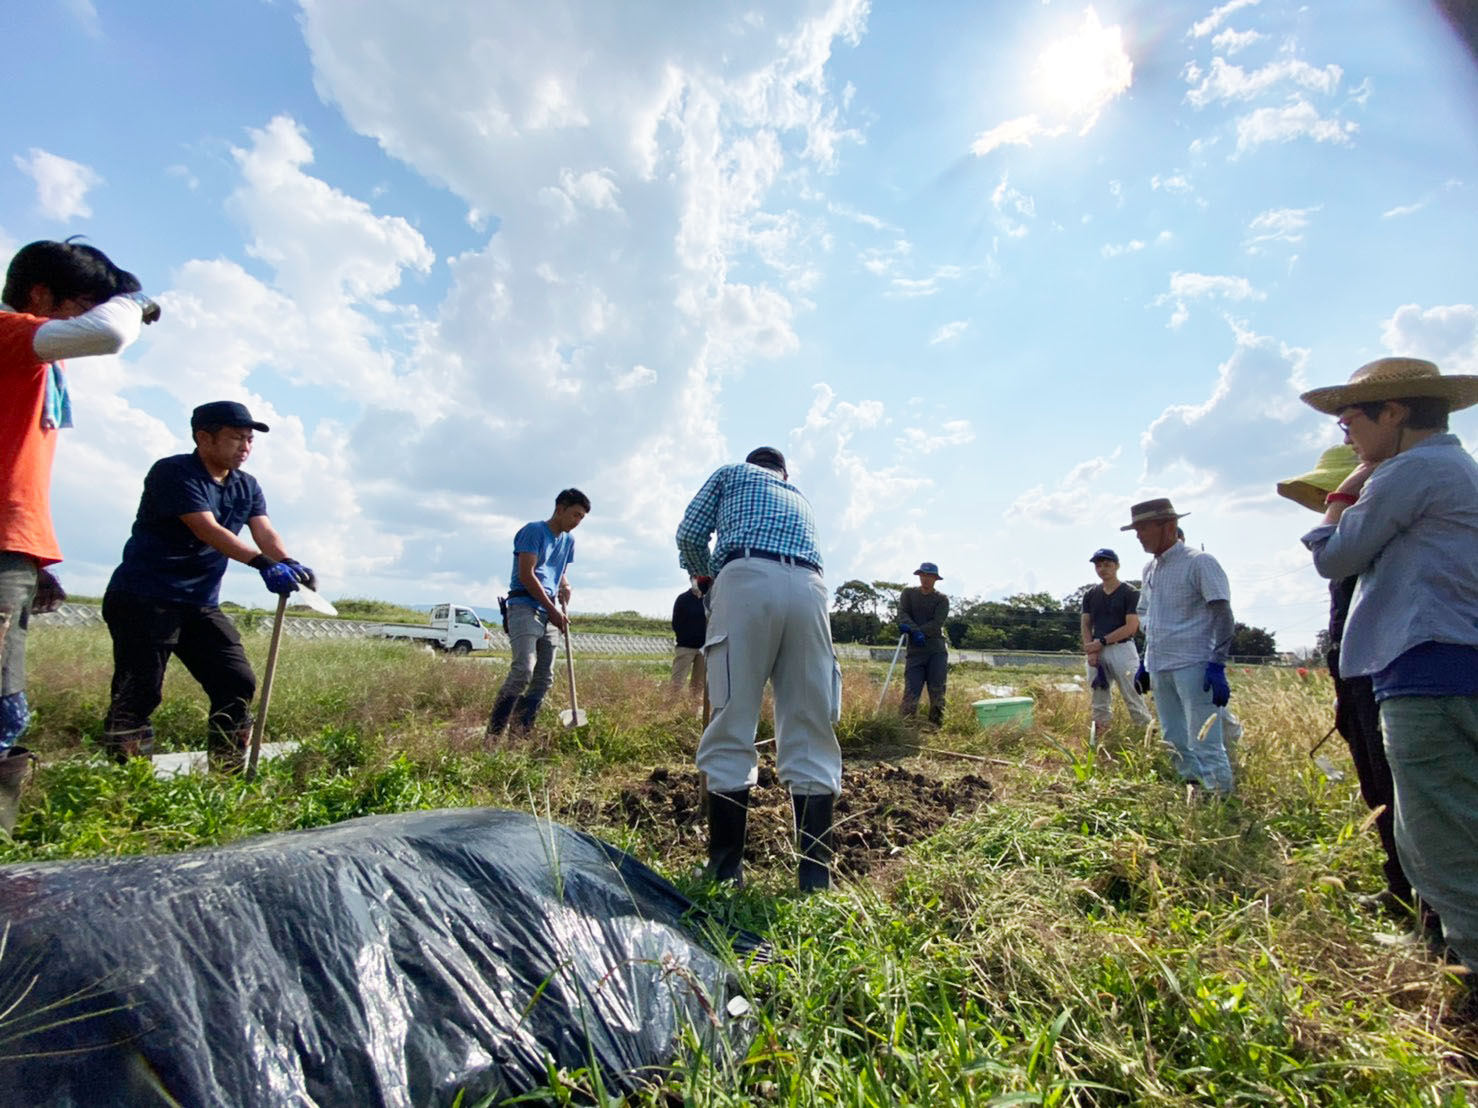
[{"x": 391, "y": 960}]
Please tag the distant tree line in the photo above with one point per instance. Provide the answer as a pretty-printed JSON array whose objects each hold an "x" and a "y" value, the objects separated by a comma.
[{"x": 867, "y": 612}]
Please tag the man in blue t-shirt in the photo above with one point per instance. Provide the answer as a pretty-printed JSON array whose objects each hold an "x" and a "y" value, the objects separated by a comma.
[
  {"x": 538, "y": 594},
  {"x": 162, "y": 598}
]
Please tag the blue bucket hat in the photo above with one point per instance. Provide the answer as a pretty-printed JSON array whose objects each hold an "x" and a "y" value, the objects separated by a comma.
[
  {"x": 928, "y": 567},
  {"x": 1103, "y": 553}
]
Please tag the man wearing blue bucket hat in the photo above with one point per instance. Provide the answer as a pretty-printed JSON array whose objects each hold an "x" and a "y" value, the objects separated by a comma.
[
  {"x": 921, "y": 613},
  {"x": 1109, "y": 623}
]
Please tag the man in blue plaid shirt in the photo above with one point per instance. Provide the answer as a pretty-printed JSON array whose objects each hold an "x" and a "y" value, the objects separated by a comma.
[{"x": 768, "y": 621}]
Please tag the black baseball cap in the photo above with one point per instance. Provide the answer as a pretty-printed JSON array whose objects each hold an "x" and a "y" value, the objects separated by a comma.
[
  {"x": 223, "y": 413},
  {"x": 1104, "y": 554},
  {"x": 768, "y": 457}
]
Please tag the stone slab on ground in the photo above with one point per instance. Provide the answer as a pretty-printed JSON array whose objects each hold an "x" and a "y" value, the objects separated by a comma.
[{"x": 194, "y": 761}]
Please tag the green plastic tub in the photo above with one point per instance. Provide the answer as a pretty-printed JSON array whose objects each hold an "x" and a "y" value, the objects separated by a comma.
[{"x": 1013, "y": 711}]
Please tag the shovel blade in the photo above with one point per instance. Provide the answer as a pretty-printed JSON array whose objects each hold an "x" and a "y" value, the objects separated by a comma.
[
  {"x": 572, "y": 718},
  {"x": 304, "y": 595}
]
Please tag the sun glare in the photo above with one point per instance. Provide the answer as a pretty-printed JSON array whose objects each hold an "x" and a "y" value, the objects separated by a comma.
[{"x": 1080, "y": 73}]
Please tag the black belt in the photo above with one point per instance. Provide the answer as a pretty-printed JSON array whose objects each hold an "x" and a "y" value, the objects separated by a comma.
[{"x": 770, "y": 556}]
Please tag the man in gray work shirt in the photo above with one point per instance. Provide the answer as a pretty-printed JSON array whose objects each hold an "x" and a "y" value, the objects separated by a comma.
[
  {"x": 921, "y": 612},
  {"x": 1186, "y": 612},
  {"x": 1406, "y": 521}
]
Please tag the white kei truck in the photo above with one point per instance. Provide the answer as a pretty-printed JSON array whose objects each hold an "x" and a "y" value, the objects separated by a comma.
[{"x": 451, "y": 627}]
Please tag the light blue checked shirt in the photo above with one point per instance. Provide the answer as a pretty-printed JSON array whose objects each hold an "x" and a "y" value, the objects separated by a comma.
[
  {"x": 749, "y": 506},
  {"x": 1413, "y": 539},
  {"x": 1173, "y": 609}
]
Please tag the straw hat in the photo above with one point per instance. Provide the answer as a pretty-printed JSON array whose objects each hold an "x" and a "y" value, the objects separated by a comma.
[
  {"x": 1334, "y": 465},
  {"x": 1394, "y": 379}
]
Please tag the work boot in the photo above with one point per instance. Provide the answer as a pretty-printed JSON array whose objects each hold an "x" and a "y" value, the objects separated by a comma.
[
  {"x": 498, "y": 721},
  {"x": 226, "y": 747},
  {"x": 728, "y": 818},
  {"x": 813, "y": 841},
  {"x": 16, "y": 767},
  {"x": 132, "y": 742},
  {"x": 526, "y": 711}
]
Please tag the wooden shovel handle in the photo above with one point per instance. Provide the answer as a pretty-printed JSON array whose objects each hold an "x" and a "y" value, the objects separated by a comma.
[{"x": 260, "y": 726}]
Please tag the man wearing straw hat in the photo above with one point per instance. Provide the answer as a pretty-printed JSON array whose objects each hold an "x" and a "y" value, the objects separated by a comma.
[
  {"x": 1185, "y": 609},
  {"x": 921, "y": 613},
  {"x": 1356, "y": 713},
  {"x": 1405, "y": 521}
]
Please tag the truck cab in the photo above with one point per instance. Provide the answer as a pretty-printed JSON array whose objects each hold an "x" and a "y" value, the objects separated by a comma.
[{"x": 462, "y": 631}]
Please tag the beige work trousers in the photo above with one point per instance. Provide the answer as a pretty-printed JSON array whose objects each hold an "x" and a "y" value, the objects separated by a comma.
[
  {"x": 687, "y": 666},
  {"x": 769, "y": 621}
]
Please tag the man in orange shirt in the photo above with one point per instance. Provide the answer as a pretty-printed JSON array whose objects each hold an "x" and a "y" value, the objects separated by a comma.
[{"x": 60, "y": 300}]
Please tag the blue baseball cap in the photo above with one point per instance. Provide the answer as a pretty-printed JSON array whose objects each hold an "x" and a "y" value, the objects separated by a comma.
[
  {"x": 1104, "y": 554},
  {"x": 927, "y": 567}
]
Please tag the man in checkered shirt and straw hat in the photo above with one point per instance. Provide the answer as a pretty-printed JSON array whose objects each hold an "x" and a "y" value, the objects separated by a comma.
[{"x": 1406, "y": 522}]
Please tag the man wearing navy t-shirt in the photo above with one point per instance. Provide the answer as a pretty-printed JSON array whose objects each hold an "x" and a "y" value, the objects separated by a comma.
[
  {"x": 163, "y": 597},
  {"x": 538, "y": 593}
]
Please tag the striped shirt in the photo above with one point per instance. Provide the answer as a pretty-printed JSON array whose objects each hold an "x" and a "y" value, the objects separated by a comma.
[
  {"x": 748, "y": 506},
  {"x": 1173, "y": 608}
]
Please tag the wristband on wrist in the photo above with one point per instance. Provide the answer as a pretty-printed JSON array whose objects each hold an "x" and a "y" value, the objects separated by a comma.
[
  {"x": 1341, "y": 498},
  {"x": 261, "y": 561}
]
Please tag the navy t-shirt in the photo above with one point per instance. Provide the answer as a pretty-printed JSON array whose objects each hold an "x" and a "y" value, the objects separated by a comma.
[
  {"x": 1108, "y": 611},
  {"x": 163, "y": 559}
]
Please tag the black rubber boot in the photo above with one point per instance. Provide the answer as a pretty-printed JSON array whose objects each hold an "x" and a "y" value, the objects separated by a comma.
[
  {"x": 498, "y": 721},
  {"x": 132, "y": 742},
  {"x": 728, "y": 819},
  {"x": 526, "y": 712},
  {"x": 813, "y": 841},
  {"x": 16, "y": 767}
]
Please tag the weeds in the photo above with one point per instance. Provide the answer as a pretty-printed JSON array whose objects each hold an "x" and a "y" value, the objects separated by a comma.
[{"x": 1089, "y": 938}]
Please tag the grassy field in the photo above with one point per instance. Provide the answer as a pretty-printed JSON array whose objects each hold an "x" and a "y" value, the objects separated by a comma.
[{"x": 1082, "y": 935}]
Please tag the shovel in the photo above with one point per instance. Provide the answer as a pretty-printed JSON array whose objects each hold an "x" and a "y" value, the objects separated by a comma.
[
  {"x": 306, "y": 596},
  {"x": 573, "y": 716},
  {"x": 901, "y": 640}
]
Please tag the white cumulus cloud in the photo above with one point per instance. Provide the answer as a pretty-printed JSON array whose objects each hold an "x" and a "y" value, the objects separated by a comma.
[
  {"x": 1447, "y": 335},
  {"x": 62, "y": 185},
  {"x": 1277, "y": 225},
  {"x": 1297, "y": 119}
]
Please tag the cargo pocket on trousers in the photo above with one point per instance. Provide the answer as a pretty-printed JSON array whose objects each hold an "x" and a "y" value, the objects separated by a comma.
[
  {"x": 836, "y": 689},
  {"x": 716, "y": 659}
]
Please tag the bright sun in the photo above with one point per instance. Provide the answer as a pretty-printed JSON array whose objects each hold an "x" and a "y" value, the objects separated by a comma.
[{"x": 1083, "y": 71}]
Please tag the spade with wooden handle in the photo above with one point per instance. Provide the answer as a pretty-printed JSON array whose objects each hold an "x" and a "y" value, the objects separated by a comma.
[{"x": 573, "y": 716}]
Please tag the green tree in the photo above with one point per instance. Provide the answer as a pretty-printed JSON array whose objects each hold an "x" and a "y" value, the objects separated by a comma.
[
  {"x": 856, "y": 598},
  {"x": 1252, "y": 642},
  {"x": 888, "y": 593}
]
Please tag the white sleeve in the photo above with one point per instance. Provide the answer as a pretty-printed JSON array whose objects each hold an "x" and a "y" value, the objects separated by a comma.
[{"x": 106, "y": 329}]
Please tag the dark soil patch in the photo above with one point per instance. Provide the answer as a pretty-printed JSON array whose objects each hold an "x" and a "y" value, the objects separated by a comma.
[{"x": 883, "y": 809}]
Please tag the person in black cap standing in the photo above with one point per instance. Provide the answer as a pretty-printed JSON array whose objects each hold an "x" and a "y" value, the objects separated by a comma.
[
  {"x": 163, "y": 596},
  {"x": 1110, "y": 622},
  {"x": 921, "y": 613},
  {"x": 768, "y": 621}
]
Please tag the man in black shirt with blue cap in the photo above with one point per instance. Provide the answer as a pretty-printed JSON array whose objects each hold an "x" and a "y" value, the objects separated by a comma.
[{"x": 163, "y": 597}]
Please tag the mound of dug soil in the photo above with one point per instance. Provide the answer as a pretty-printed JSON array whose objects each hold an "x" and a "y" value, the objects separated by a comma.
[{"x": 883, "y": 808}]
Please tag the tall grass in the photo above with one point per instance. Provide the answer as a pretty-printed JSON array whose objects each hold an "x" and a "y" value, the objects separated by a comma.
[{"x": 1092, "y": 936}]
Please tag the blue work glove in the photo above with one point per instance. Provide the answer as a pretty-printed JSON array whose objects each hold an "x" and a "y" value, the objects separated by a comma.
[
  {"x": 1216, "y": 684},
  {"x": 1141, "y": 680},
  {"x": 302, "y": 573},
  {"x": 905, "y": 629},
  {"x": 917, "y": 636},
  {"x": 1100, "y": 679},
  {"x": 279, "y": 578}
]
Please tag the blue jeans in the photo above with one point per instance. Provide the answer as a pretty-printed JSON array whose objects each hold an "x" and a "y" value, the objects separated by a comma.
[
  {"x": 1184, "y": 707},
  {"x": 1432, "y": 745}
]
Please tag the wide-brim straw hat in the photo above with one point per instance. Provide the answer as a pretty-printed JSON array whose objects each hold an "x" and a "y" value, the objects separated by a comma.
[
  {"x": 1145, "y": 510},
  {"x": 1334, "y": 465},
  {"x": 1394, "y": 379}
]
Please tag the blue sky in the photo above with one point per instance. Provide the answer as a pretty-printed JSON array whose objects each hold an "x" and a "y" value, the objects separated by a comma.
[{"x": 987, "y": 273}]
